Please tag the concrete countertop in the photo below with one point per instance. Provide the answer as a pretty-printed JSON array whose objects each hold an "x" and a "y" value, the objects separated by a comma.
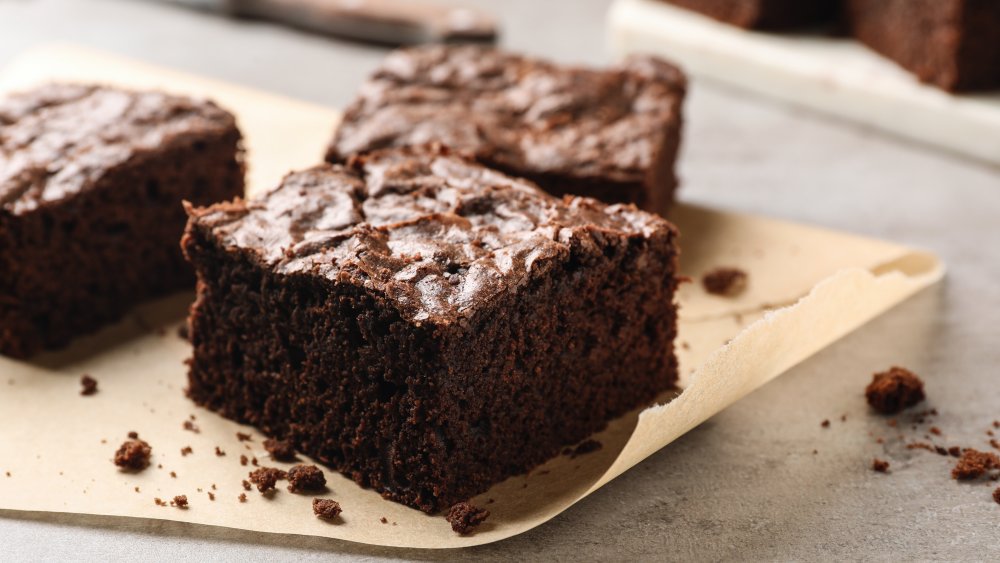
[{"x": 744, "y": 485}]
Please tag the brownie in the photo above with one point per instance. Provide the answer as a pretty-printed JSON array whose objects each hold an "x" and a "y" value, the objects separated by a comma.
[
  {"x": 91, "y": 184},
  {"x": 951, "y": 44},
  {"x": 608, "y": 134},
  {"x": 426, "y": 325},
  {"x": 768, "y": 15}
]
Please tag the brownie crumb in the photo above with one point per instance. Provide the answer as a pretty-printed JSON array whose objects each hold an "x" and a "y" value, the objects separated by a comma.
[
  {"x": 253, "y": 461},
  {"x": 935, "y": 430},
  {"x": 465, "y": 517},
  {"x": 326, "y": 509},
  {"x": 137, "y": 490},
  {"x": 974, "y": 463},
  {"x": 243, "y": 437},
  {"x": 173, "y": 474},
  {"x": 246, "y": 485},
  {"x": 955, "y": 451},
  {"x": 996, "y": 495},
  {"x": 825, "y": 423},
  {"x": 894, "y": 390},
  {"x": 186, "y": 451},
  {"x": 725, "y": 281},
  {"x": 133, "y": 435},
  {"x": 159, "y": 502},
  {"x": 180, "y": 501},
  {"x": 211, "y": 495},
  {"x": 7, "y": 473},
  {"x": 266, "y": 477},
  {"x": 280, "y": 450},
  {"x": 191, "y": 427},
  {"x": 133, "y": 455},
  {"x": 88, "y": 385},
  {"x": 219, "y": 452},
  {"x": 244, "y": 460},
  {"x": 585, "y": 447},
  {"x": 880, "y": 465},
  {"x": 242, "y": 497},
  {"x": 383, "y": 520},
  {"x": 306, "y": 478}
]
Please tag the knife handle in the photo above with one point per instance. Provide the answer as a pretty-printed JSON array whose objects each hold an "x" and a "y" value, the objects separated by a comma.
[{"x": 384, "y": 21}]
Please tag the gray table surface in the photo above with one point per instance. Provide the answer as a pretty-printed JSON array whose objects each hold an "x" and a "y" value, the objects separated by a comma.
[{"x": 744, "y": 485}]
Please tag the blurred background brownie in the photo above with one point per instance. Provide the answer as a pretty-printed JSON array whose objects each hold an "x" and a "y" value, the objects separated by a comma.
[
  {"x": 769, "y": 15},
  {"x": 952, "y": 44},
  {"x": 91, "y": 184},
  {"x": 426, "y": 325},
  {"x": 608, "y": 134}
]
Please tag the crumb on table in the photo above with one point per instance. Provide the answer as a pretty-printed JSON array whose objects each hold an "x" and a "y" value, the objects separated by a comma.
[{"x": 894, "y": 390}]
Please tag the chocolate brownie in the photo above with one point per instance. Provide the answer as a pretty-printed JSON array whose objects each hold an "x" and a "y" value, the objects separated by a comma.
[
  {"x": 426, "y": 325},
  {"x": 952, "y": 44},
  {"x": 91, "y": 184},
  {"x": 769, "y": 15},
  {"x": 608, "y": 134}
]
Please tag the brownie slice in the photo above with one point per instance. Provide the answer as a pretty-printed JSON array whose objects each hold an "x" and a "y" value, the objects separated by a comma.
[
  {"x": 768, "y": 15},
  {"x": 426, "y": 325},
  {"x": 952, "y": 44},
  {"x": 91, "y": 184},
  {"x": 608, "y": 134}
]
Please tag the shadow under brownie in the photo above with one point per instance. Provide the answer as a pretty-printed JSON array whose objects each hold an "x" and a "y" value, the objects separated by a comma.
[
  {"x": 91, "y": 184},
  {"x": 426, "y": 325}
]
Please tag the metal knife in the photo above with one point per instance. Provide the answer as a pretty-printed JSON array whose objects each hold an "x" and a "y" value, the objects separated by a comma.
[{"x": 392, "y": 22}]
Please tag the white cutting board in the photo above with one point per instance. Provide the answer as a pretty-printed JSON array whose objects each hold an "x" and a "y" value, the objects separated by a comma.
[{"x": 834, "y": 75}]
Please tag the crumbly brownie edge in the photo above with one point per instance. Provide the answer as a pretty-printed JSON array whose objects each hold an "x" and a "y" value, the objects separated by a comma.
[
  {"x": 423, "y": 447},
  {"x": 120, "y": 239}
]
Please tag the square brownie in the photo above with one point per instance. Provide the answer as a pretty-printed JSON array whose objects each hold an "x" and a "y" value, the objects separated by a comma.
[
  {"x": 767, "y": 15},
  {"x": 426, "y": 325},
  {"x": 951, "y": 44},
  {"x": 608, "y": 134},
  {"x": 91, "y": 184}
]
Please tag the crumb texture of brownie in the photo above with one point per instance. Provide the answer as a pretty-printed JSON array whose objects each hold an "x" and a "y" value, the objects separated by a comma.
[
  {"x": 265, "y": 478},
  {"x": 91, "y": 183},
  {"x": 608, "y": 134},
  {"x": 326, "y": 509},
  {"x": 426, "y": 325},
  {"x": 280, "y": 450},
  {"x": 951, "y": 44},
  {"x": 133, "y": 454},
  {"x": 767, "y": 15},
  {"x": 306, "y": 478},
  {"x": 880, "y": 465},
  {"x": 895, "y": 390},
  {"x": 465, "y": 517},
  {"x": 88, "y": 385},
  {"x": 974, "y": 464}
]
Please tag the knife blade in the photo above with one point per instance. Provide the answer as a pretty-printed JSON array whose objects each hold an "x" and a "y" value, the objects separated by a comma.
[{"x": 392, "y": 22}]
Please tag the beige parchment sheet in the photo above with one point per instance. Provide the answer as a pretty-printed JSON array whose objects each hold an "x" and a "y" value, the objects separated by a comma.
[{"x": 808, "y": 287}]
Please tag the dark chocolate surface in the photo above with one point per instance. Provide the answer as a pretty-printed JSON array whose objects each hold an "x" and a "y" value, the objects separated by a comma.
[
  {"x": 57, "y": 141},
  {"x": 526, "y": 116},
  {"x": 435, "y": 232}
]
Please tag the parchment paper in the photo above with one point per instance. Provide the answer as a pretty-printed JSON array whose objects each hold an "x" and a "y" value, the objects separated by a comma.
[{"x": 808, "y": 287}]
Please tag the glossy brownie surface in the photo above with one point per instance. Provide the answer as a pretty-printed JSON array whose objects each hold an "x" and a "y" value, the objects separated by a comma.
[
  {"x": 436, "y": 233},
  {"x": 58, "y": 140},
  {"x": 569, "y": 129}
]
